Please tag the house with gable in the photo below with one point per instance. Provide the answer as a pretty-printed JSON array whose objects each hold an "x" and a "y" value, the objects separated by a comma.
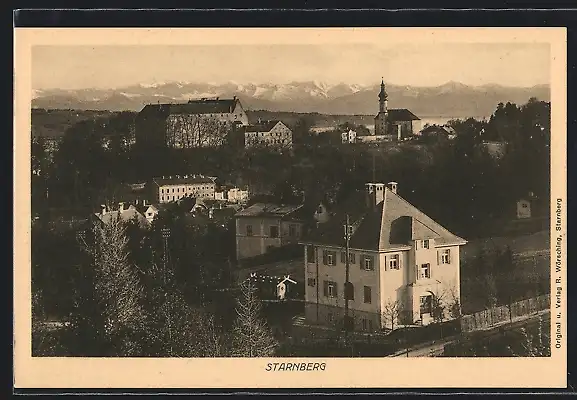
[
  {"x": 265, "y": 226},
  {"x": 272, "y": 134},
  {"x": 125, "y": 212},
  {"x": 396, "y": 254}
]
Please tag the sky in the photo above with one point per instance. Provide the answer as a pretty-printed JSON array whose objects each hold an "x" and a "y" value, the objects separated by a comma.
[{"x": 78, "y": 67}]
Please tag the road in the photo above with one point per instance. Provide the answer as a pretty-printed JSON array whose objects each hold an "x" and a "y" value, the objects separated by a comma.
[{"x": 436, "y": 348}]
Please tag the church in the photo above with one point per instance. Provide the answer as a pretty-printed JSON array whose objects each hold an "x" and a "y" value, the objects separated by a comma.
[{"x": 394, "y": 124}]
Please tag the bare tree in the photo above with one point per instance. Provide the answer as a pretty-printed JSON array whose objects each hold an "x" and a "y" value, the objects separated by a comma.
[
  {"x": 117, "y": 288},
  {"x": 439, "y": 305},
  {"x": 453, "y": 301},
  {"x": 251, "y": 335},
  {"x": 391, "y": 312}
]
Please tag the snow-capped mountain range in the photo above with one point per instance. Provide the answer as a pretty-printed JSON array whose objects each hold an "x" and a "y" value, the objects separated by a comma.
[{"x": 452, "y": 98}]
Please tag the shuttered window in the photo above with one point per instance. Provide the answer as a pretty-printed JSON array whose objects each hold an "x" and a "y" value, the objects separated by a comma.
[
  {"x": 367, "y": 294},
  {"x": 330, "y": 289},
  {"x": 368, "y": 263},
  {"x": 310, "y": 254},
  {"x": 329, "y": 257},
  {"x": 352, "y": 258}
]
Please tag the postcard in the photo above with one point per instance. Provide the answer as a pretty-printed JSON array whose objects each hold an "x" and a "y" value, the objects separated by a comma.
[{"x": 290, "y": 208}]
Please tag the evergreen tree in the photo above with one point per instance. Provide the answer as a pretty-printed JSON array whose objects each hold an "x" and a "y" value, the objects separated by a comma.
[{"x": 251, "y": 335}]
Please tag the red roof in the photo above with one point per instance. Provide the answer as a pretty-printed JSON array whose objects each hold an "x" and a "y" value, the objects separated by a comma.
[{"x": 391, "y": 224}]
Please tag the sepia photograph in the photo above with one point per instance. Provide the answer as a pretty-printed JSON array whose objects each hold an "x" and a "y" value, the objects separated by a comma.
[{"x": 294, "y": 200}]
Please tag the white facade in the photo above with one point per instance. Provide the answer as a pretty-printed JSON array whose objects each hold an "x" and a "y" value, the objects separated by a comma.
[
  {"x": 236, "y": 195},
  {"x": 409, "y": 275},
  {"x": 349, "y": 137},
  {"x": 277, "y": 136},
  {"x": 167, "y": 190}
]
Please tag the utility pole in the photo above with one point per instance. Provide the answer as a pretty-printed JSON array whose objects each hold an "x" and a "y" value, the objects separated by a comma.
[
  {"x": 374, "y": 169},
  {"x": 347, "y": 283},
  {"x": 165, "y": 235}
]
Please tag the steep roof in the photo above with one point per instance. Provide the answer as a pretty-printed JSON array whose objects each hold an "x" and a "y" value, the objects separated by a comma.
[
  {"x": 391, "y": 224},
  {"x": 208, "y": 106},
  {"x": 268, "y": 210},
  {"x": 126, "y": 215},
  {"x": 264, "y": 126},
  {"x": 401, "y": 114}
]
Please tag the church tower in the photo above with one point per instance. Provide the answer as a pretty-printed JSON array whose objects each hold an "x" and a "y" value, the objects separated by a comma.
[
  {"x": 383, "y": 98},
  {"x": 381, "y": 118}
]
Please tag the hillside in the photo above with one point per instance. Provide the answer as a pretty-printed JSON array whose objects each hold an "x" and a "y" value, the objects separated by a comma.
[{"x": 53, "y": 123}]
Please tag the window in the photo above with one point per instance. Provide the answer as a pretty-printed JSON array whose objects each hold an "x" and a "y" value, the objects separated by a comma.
[
  {"x": 330, "y": 289},
  {"x": 249, "y": 230},
  {"x": 365, "y": 324},
  {"x": 343, "y": 257},
  {"x": 394, "y": 262},
  {"x": 367, "y": 294},
  {"x": 349, "y": 291},
  {"x": 329, "y": 257},
  {"x": 320, "y": 210},
  {"x": 292, "y": 230},
  {"x": 426, "y": 244},
  {"x": 425, "y": 271},
  {"x": 352, "y": 258},
  {"x": 172, "y": 190},
  {"x": 310, "y": 254},
  {"x": 446, "y": 256},
  {"x": 274, "y": 231},
  {"x": 368, "y": 263},
  {"x": 161, "y": 190},
  {"x": 524, "y": 205},
  {"x": 311, "y": 282}
]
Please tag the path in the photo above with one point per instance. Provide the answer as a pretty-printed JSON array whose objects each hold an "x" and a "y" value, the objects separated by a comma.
[{"x": 435, "y": 348}]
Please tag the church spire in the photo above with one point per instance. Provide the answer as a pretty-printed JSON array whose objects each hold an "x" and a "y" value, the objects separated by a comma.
[{"x": 383, "y": 97}]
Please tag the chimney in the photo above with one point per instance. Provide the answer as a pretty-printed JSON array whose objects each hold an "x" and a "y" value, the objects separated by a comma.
[
  {"x": 210, "y": 213},
  {"x": 392, "y": 186},
  {"x": 144, "y": 202},
  {"x": 375, "y": 193},
  {"x": 121, "y": 206},
  {"x": 102, "y": 209}
]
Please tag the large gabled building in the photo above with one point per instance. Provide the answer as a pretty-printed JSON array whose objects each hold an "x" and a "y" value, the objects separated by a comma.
[
  {"x": 204, "y": 122},
  {"x": 397, "y": 255}
]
